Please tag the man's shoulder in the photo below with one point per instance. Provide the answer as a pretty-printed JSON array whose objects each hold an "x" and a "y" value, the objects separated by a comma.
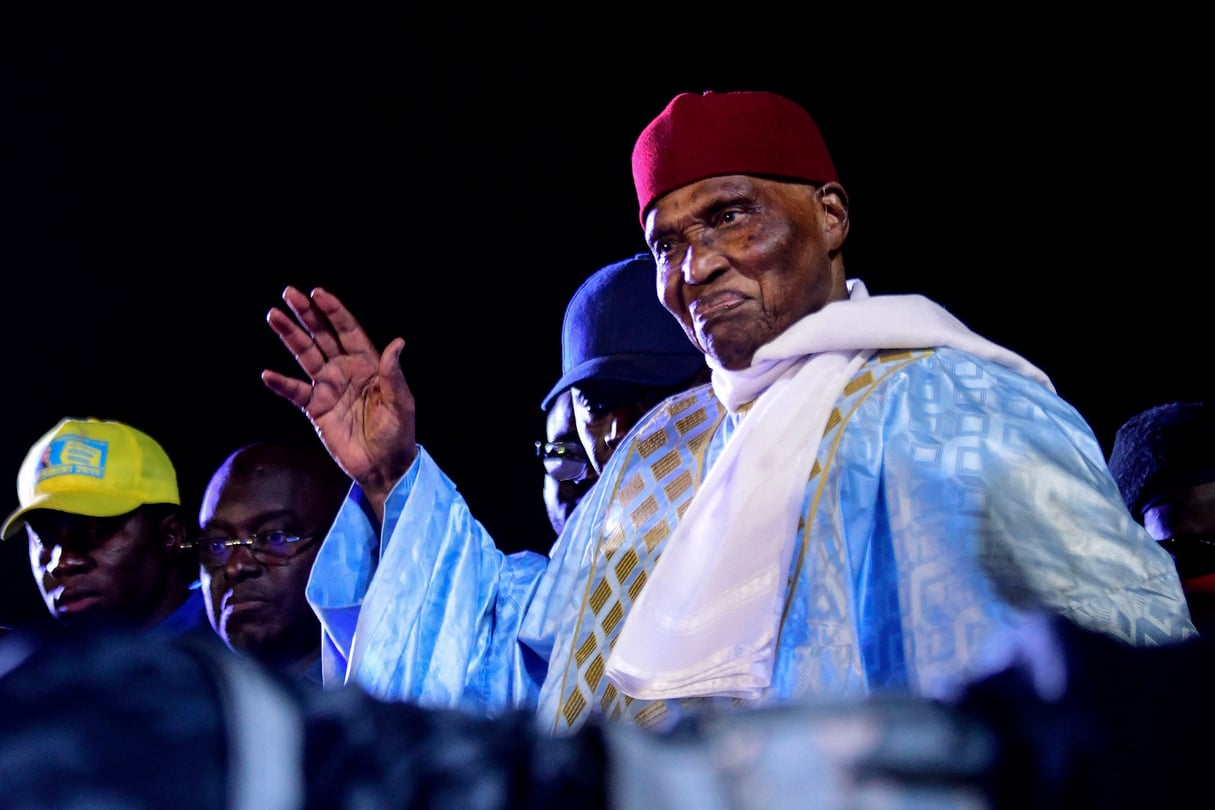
[
  {"x": 947, "y": 364},
  {"x": 681, "y": 413},
  {"x": 686, "y": 420},
  {"x": 920, "y": 386},
  {"x": 189, "y": 618}
]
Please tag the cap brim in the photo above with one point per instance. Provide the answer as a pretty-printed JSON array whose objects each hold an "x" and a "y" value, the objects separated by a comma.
[
  {"x": 658, "y": 370},
  {"x": 89, "y": 504}
]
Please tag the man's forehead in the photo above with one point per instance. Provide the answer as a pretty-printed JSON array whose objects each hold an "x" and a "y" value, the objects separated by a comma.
[
  {"x": 702, "y": 197},
  {"x": 59, "y": 517},
  {"x": 1187, "y": 510},
  {"x": 707, "y": 192}
]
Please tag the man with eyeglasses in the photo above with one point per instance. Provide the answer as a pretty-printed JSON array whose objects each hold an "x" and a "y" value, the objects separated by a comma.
[
  {"x": 621, "y": 354},
  {"x": 568, "y": 474},
  {"x": 1163, "y": 459},
  {"x": 263, "y": 515},
  {"x": 102, "y": 514}
]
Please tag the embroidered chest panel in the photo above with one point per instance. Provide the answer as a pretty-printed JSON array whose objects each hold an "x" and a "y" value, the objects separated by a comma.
[{"x": 666, "y": 466}]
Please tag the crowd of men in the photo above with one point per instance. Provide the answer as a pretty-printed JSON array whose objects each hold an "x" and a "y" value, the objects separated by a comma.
[{"x": 784, "y": 505}]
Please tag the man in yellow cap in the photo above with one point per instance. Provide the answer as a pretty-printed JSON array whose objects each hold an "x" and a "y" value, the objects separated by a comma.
[
  {"x": 107, "y": 537},
  {"x": 868, "y": 496}
]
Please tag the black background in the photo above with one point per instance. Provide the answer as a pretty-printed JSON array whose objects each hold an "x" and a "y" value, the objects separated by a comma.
[{"x": 453, "y": 175}]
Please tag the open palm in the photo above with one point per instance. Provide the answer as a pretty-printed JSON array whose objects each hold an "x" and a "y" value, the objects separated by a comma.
[{"x": 355, "y": 396}]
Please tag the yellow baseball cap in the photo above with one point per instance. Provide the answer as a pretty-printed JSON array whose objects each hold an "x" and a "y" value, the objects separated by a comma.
[{"x": 92, "y": 467}]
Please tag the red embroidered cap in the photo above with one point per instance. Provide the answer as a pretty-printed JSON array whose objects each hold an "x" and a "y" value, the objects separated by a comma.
[{"x": 711, "y": 134}]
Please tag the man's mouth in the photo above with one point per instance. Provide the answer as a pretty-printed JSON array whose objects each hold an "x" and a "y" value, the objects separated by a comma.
[{"x": 74, "y": 602}]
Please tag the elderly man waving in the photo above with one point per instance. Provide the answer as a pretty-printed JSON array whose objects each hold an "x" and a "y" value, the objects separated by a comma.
[{"x": 868, "y": 495}]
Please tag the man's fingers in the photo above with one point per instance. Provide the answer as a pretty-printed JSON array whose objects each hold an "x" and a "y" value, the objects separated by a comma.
[
  {"x": 314, "y": 321},
  {"x": 301, "y": 345},
  {"x": 348, "y": 331},
  {"x": 390, "y": 360},
  {"x": 297, "y": 392}
]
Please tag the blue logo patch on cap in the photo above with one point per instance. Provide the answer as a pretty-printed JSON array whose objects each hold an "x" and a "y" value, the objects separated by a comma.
[{"x": 73, "y": 455}]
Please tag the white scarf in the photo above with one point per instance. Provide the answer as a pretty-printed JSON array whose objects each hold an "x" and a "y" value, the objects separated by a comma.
[{"x": 707, "y": 621}]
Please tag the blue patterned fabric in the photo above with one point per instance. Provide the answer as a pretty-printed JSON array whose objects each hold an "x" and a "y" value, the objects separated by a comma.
[{"x": 950, "y": 495}]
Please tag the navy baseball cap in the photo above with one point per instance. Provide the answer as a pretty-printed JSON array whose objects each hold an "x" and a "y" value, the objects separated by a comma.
[{"x": 616, "y": 330}]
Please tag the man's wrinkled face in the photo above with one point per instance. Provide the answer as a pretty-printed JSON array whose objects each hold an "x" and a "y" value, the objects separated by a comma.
[
  {"x": 94, "y": 570},
  {"x": 741, "y": 258}
]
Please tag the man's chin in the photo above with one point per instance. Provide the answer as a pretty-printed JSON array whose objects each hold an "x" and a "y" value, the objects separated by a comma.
[
  {"x": 250, "y": 638},
  {"x": 729, "y": 358},
  {"x": 89, "y": 617},
  {"x": 728, "y": 348}
]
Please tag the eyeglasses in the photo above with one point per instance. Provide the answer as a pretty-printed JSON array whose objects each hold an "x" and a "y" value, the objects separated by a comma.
[
  {"x": 271, "y": 548},
  {"x": 565, "y": 461}
]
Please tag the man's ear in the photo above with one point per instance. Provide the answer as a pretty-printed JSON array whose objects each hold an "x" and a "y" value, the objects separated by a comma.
[
  {"x": 834, "y": 200},
  {"x": 173, "y": 529}
]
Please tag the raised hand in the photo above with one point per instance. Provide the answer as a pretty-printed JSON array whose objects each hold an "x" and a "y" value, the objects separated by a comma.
[{"x": 356, "y": 398}]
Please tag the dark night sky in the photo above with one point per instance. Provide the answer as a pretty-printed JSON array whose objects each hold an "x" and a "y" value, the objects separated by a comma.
[{"x": 166, "y": 173}]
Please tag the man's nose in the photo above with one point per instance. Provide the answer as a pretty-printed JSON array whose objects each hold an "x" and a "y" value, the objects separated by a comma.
[
  {"x": 241, "y": 563},
  {"x": 65, "y": 560},
  {"x": 701, "y": 261}
]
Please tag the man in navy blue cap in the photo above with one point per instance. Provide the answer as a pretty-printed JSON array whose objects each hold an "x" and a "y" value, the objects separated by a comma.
[
  {"x": 621, "y": 354},
  {"x": 1163, "y": 459}
]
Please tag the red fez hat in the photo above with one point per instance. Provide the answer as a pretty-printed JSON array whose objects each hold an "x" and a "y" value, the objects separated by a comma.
[{"x": 712, "y": 134}]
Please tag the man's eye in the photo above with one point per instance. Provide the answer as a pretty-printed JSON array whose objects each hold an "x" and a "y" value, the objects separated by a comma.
[
  {"x": 212, "y": 545},
  {"x": 276, "y": 538}
]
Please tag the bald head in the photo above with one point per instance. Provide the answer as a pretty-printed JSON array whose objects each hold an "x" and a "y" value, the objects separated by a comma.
[{"x": 304, "y": 462}]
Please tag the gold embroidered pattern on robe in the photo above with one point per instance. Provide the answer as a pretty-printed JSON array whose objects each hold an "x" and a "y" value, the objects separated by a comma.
[{"x": 667, "y": 470}]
